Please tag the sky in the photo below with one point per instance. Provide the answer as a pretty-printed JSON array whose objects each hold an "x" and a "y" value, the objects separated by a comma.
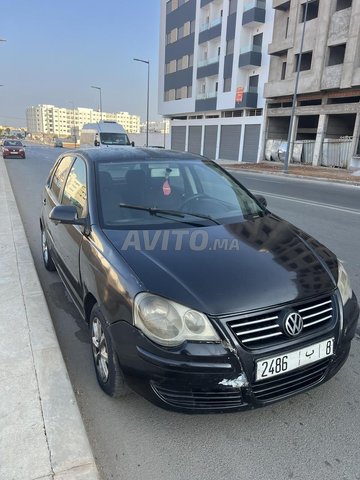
[{"x": 55, "y": 50}]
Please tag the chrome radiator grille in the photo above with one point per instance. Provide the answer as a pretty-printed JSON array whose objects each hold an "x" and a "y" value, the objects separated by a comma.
[{"x": 264, "y": 329}]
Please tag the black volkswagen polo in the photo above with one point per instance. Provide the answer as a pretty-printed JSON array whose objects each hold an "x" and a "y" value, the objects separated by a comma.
[{"x": 196, "y": 296}]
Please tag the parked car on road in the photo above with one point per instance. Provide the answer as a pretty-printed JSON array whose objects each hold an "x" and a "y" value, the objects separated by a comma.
[
  {"x": 58, "y": 143},
  {"x": 13, "y": 148},
  {"x": 196, "y": 295}
]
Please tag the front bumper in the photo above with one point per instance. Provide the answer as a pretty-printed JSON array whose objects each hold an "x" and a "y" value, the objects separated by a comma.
[{"x": 220, "y": 377}]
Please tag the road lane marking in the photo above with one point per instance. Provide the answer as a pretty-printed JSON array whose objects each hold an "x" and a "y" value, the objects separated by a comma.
[{"x": 316, "y": 204}]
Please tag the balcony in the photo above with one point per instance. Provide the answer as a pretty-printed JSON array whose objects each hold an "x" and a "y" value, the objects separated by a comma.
[
  {"x": 281, "y": 4},
  {"x": 250, "y": 56},
  {"x": 209, "y": 25},
  {"x": 254, "y": 13},
  {"x": 249, "y": 99},
  {"x": 206, "y": 95},
  {"x": 208, "y": 67},
  {"x": 206, "y": 101},
  {"x": 210, "y": 30}
]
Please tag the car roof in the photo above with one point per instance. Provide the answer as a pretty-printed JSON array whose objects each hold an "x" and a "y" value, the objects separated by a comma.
[{"x": 127, "y": 153}]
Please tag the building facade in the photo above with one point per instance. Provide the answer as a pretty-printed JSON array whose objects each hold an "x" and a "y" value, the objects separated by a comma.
[
  {"x": 57, "y": 121},
  {"x": 213, "y": 67},
  {"x": 327, "y": 120}
]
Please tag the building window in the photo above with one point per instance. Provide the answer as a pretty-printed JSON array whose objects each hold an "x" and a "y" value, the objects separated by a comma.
[
  {"x": 283, "y": 71},
  {"x": 257, "y": 42},
  {"x": 230, "y": 47},
  {"x": 227, "y": 84},
  {"x": 336, "y": 55},
  {"x": 312, "y": 11},
  {"x": 342, "y": 4},
  {"x": 232, "y": 6},
  {"x": 253, "y": 83},
  {"x": 287, "y": 27},
  {"x": 306, "y": 60}
]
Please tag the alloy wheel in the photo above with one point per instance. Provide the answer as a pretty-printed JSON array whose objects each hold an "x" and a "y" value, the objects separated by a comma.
[{"x": 100, "y": 350}]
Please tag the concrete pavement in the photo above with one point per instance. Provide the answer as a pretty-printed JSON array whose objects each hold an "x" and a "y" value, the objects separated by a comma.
[{"x": 42, "y": 435}]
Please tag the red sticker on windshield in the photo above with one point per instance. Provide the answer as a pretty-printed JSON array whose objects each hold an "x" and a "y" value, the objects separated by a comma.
[{"x": 166, "y": 188}]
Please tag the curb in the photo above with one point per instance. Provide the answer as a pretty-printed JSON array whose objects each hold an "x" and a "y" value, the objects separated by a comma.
[
  {"x": 292, "y": 175},
  {"x": 57, "y": 446}
]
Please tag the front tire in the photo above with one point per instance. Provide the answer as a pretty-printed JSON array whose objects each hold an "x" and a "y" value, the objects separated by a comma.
[
  {"x": 46, "y": 254},
  {"x": 107, "y": 367}
]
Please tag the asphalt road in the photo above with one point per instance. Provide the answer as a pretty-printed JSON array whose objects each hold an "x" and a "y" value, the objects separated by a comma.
[{"x": 312, "y": 436}]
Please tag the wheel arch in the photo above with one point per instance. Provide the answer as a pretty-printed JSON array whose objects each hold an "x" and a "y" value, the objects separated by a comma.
[{"x": 89, "y": 303}]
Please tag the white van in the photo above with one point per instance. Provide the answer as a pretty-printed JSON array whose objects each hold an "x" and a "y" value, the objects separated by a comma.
[{"x": 103, "y": 134}]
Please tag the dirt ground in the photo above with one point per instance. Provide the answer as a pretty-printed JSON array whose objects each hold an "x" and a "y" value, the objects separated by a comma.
[{"x": 302, "y": 170}]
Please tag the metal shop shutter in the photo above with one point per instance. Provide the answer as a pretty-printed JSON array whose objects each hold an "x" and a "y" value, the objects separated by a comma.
[
  {"x": 178, "y": 135},
  {"x": 194, "y": 144},
  {"x": 251, "y": 143},
  {"x": 230, "y": 142},
  {"x": 210, "y": 141}
]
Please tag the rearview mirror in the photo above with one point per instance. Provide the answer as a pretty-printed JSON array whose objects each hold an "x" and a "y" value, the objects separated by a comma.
[
  {"x": 262, "y": 200},
  {"x": 133, "y": 144},
  {"x": 97, "y": 143},
  {"x": 66, "y": 214}
]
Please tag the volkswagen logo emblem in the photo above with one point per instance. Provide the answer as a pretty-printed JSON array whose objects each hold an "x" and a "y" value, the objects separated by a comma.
[{"x": 293, "y": 324}]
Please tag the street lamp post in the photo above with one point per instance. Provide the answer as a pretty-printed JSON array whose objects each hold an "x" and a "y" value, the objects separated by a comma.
[
  {"x": 74, "y": 131},
  {"x": 290, "y": 144},
  {"x": 148, "y": 96},
  {"x": 99, "y": 88}
]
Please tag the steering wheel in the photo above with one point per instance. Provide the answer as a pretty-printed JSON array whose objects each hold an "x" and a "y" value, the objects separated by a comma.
[{"x": 193, "y": 198}]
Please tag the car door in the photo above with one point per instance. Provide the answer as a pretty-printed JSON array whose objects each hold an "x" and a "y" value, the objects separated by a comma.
[
  {"x": 69, "y": 237},
  {"x": 51, "y": 198}
]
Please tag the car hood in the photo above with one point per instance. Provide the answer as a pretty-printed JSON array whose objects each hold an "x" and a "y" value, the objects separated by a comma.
[{"x": 229, "y": 268}]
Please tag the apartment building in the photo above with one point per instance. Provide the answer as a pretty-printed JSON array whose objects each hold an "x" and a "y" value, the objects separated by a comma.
[
  {"x": 328, "y": 110},
  {"x": 213, "y": 67},
  {"x": 49, "y": 119}
]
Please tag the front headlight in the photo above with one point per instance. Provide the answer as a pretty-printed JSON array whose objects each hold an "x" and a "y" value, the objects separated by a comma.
[
  {"x": 169, "y": 323},
  {"x": 343, "y": 283}
]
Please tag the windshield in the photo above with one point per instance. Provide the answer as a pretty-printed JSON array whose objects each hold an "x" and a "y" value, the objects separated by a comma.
[
  {"x": 12, "y": 143},
  {"x": 114, "y": 139},
  {"x": 192, "y": 188}
]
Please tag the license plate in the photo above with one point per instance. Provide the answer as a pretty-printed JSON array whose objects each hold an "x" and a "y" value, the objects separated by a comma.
[
  {"x": 270, "y": 367},
  {"x": 14, "y": 153}
]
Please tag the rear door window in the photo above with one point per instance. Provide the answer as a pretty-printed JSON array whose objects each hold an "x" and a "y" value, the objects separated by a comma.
[{"x": 60, "y": 176}]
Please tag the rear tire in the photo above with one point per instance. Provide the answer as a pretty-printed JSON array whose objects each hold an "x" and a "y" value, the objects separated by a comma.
[
  {"x": 107, "y": 367},
  {"x": 46, "y": 254}
]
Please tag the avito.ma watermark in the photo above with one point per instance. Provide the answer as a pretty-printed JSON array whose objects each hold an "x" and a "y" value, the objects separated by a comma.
[{"x": 176, "y": 240}]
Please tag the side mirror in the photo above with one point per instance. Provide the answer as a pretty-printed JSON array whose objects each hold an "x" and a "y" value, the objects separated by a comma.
[
  {"x": 133, "y": 144},
  {"x": 66, "y": 214},
  {"x": 97, "y": 143},
  {"x": 262, "y": 200}
]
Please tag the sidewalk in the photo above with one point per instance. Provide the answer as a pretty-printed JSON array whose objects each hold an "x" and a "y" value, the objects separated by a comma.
[
  {"x": 337, "y": 175},
  {"x": 42, "y": 435}
]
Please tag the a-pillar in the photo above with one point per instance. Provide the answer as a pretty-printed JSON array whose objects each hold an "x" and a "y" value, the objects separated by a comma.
[{"x": 320, "y": 135}]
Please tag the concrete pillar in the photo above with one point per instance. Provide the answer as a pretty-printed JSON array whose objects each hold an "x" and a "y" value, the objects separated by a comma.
[
  {"x": 320, "y": 135},
  {"x": 356, "y": 135}
]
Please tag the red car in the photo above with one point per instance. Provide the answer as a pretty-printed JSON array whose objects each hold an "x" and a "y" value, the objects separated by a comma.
[{"x": 13, "y": 148}]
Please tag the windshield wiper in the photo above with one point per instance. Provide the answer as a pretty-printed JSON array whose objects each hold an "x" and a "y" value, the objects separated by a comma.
[{"x": 174, "y": 213}]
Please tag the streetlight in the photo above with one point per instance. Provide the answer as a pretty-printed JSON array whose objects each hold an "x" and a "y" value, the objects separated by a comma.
[
  {"x": 74, "y": 131},
  {"x": 99, "y": 88},
  {"x": 148, "y": 94},
  {"x": 290, "y": 145}
]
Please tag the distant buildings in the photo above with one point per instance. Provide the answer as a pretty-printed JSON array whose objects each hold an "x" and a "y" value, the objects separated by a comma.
[
  {"x": 58, "y": 121},
  {"x": 213, "y": 67}
]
